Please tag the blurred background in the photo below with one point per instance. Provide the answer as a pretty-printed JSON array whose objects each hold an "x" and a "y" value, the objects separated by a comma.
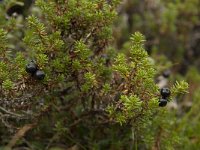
[{"x": 172, "y": 31}]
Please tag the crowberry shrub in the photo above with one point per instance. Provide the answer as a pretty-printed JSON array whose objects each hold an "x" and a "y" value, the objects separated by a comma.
[{"x": 83, "y": 99}]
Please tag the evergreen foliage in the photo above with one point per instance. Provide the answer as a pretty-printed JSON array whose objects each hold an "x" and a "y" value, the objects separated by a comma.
[{"x": 84, "y": 92}]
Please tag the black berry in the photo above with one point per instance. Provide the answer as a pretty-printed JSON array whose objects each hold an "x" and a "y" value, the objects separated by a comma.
[
  {"x": 31, "y": 68},
  {"x": 166, "y": 73},
  {"x": 18, "y": 9},
  {"x": 165, "y": 92},
  {"x": 39, "y": 75},
  {"x": 162, "y": 102}
]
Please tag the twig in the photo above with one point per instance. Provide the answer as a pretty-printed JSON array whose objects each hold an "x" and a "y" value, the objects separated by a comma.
[
  {"x": 51, "y": 141},
  {"x": 11, "y": 113},
  {"x": 28, "y": 144},
  {"x": 22, "y": 131},
  {"x": 19, "y": 135}
]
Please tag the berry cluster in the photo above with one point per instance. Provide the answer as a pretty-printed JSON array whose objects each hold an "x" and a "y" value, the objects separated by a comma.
[
  {"x": 165, "y": 93},
  {"x": 32, "y": 68}
]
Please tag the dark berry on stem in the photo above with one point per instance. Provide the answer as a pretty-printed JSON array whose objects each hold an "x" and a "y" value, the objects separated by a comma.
[
  {"x": 31, "y": 68},
  {"x": 162, "y": 102},
  {"x": 15, "y": 9},
  {"x": 165, "y": 92},
  {"x": 39, "y": 75},
  {"x": 166, "y": 73}
]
